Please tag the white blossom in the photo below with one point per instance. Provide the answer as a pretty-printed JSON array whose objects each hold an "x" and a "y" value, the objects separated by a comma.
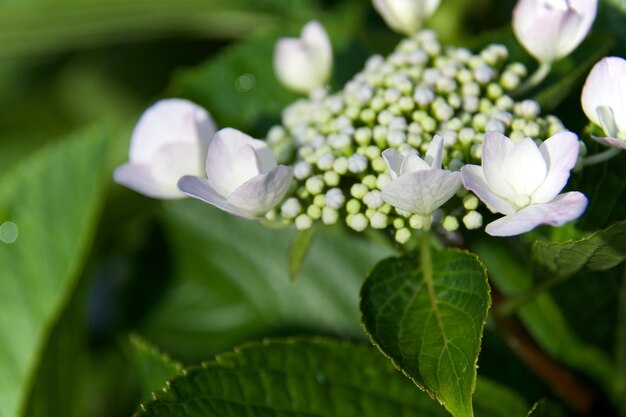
[
  {"x": 523, "y": 181},
  {"x": 169, "y": 141},
  {"x": 304, "y": 64},
  {"x": 551, "y": 29},
  {"x": 419, "y": 185},
  {"x": 242, "y": 176},
  {"x": 604, "y": 100},
  {"x": 405, "y": 16}
]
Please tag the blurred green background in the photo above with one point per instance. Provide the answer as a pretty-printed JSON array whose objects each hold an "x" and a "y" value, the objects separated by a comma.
[{"x": 94, "y": 263}]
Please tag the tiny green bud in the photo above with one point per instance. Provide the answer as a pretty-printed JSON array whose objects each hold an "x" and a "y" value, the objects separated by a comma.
[
  {"x": 340, "y": 166},
  {"x": 383, "y": 181},
  {"x": 369, "y": 181},
  {"x": 378, "y": 220},
  {"x": 357, "y": 221},
  {"x": 398, "y": 223},
  {"x": 314, "y": 212},
  {"x": 450, "y": 223},
  {"x": 319, "y": 200},
  {"x": 473, "y": 220},
  {"x": 363, "y": 136},
  {"x": 358, "y": 190},
  {"x": 329, "y": 216},
  {"x": 331, "y": 178},
  {"x": 303, "y": 222},
  {"x": 403, "y": 235},
  {"x": 315, "y": 184},
  {"x": 470, "y": 202},
  {"x": 379, "y": 165},
  {"x": 353, "y": 206}
]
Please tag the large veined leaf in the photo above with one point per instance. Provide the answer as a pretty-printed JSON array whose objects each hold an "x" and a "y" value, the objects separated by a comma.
[
  {"x": 307, "y": 377},
  {"x": 48, "y": 208},
  {"x": 232, "y": 282},
  {"x": 598, "y": 252},
  {"x": 542, "y": 317},
  {"x": 34, "y": 27},
  {"x": 428, "y": 315},
  {"x": 153, "y": 366}
]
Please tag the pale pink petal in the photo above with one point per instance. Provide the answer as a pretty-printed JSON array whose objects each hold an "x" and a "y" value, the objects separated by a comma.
[
  {"x": 614, "y": 142},
  {"x": 525, "y": 167},
  {"x": 199, "y": 188},
  {"x": 170, "y": 121},
  {"x": 560, "y": 153},
  {"x": 606, "y": 87},
  {"x": 394, "y": 160},
  {"x": 564, "y": 208},
  {"x": 413, "y": 163},
  {"x": 139, "y": 178},
  {"x": 474, "y": 180},
  {"x": 422, "y": 192},
  {"x": 260, "y": 194},
  {"x": 434, "y": 154},
  {"x": 496, "y": 148}
]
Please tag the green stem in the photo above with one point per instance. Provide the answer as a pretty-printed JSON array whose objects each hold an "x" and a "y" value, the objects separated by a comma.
[
  {"x": 512, "y": 305},
  {"x": 601, "y": 157},
  {"x": 535, "y": 79}
]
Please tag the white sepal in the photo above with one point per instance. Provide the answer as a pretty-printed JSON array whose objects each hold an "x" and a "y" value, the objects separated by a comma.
[{"x": 406, "y": 16}]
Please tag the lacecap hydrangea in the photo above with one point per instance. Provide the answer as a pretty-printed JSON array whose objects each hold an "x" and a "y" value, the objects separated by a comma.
[{"x": 423, "y": 88}]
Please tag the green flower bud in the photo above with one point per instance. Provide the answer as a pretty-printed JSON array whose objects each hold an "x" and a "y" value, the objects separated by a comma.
[
  {"x": 358, "y": 190},
  {"x": 470, "y": 202},
  {"x": 450, "y": 223},
  {"x": 353, "y": 206},
  {"x": 315, "y": 185},
  {"x": 331, "y": 178},
  {"x": 314, "y": 212},
  {"x": 357, "y": 222},
  {"x": 403, "y": 235},
  {"x": 473, "y": 220},
  {"x": 329, "y": 216},
  {"x": 303, "y": 222}
]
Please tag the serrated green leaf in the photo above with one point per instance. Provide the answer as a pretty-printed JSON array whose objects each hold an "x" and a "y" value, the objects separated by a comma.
[
  {"x": 307, "y": 377},
  {"x": 53, "y": 200},
  {"x": 542, "y": 317},
  {"x": 298, "y": 251},
  {"x": 598, "y": 252},
  {"x": 428, "y": 318},
  {"x": 153, "y": 366}
]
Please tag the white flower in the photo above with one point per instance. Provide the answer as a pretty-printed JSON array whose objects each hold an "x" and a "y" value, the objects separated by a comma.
[
  {"x": 305, "y": 63},
  {"x": 604, "y": 100},
  {"x": 523, "y": 181},
  {"x": 242, "y": 176},
  {"x": 419, "y": 185},
  {"x": 551, "y": 29},
  {"x": 405, "y": 16},
  {"x": 169, "y": 141}
]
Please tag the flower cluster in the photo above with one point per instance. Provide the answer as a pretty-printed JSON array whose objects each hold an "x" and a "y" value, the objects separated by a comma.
[{"x": 422, "y": 89}]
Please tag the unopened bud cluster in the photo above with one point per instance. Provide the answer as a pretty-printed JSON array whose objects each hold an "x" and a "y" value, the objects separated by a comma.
[{"x": 423, "y": 88}]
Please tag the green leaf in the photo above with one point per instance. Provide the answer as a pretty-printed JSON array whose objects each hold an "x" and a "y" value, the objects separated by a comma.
[
  {"x": 620, "y": 346},
  {"x": 598, "y": 252},
  {"x": 542, "y": 317},
  {"x": 232, "y": 273},
  {"x": 298, "y": 251},
  {"x": 153, "y": 366},
  {"x": 51, "y": 203},
  {"x": 604, "y": 186},
  {"x": 428, "y": 318},
  {"x": 298, "y": 377},
  {"x": 72, "y": 24},
  {"x": 237, "y": 86}
]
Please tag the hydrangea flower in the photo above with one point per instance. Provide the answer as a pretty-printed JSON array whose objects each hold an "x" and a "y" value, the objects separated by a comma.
[
  {"x": 604, "y": 100},
  {"x": 242, "y": 176},
  {"x": 305, "y": 63},
  {"x": 169, "y": 141},
  {"x": 406, "y": 16},
  {"x": 523, "y": 182},
  {"x": 551, "y": 29},
  {"x": 419, "y": 185}
]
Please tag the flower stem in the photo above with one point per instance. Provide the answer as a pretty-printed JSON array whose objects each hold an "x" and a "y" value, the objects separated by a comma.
[
  {"x": 601, "y": 157},
  {"x": 535, "y": 79}
]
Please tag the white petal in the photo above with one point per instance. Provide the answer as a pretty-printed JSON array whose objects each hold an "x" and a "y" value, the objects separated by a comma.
[
  {"x": 394, "y": 160},
  {"x": 606, "y": 87},
  {"x": 434, "y": 154},
  {"x": 474, "y": 180},
  {"x": 422, "y": 192},
  {"x": 614, "y": 142},
  {"x": 566, "y": 207},
  {"x": 524, "y": 167},
  {"x": 413, "y": 163},
  {"x": 171, "y": 121},
  {"x": 304, "y": 64},
  {"x": 261, "y": 193},
  {"x": 199, "y": 188},
  {"x": 496, "y": 148},
  {"x": 405, "y": 16},
  {"x": 139, "y": 178},
  {"x": 560, "y": 153},
  {"x": 227, "y": 166}
]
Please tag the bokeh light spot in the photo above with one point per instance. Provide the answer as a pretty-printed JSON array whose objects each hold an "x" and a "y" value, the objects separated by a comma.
[
  {"x": 8, "y": 232},
  {"x": 245, "y": 82}
]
